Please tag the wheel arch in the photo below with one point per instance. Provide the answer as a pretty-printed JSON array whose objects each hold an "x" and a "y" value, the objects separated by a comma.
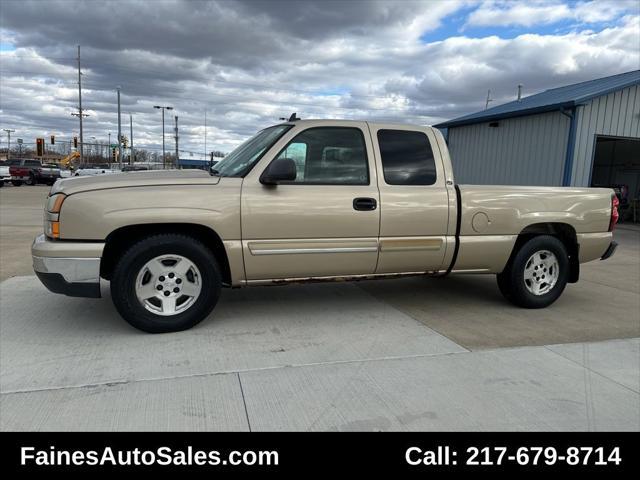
[
  {"x": 120, "y": 239},
  {"x": 564, "y": 232}
]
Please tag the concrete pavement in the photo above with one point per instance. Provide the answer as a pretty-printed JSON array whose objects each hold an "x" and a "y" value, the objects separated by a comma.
[
  {"x": 315, "y": 357},
  {"x": 21, "y": 210}
]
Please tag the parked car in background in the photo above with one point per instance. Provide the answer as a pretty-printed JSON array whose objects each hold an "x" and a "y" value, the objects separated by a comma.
[
  {"x": 97, "y": 169},
  {"x": 135, "y": 168},
  {"x": 32, "y": 172},
  {"x": 5, "y": 176},
  {"x": 315, "y": 200}
]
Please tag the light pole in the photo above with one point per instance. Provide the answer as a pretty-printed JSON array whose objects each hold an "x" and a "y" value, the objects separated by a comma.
[
  {"x": 8, "y": 130},
  {"x": 81, "y": 115},
  {"x": 119, "y": 132},
  {"x": 164, "y": 157},
  {"x": 131, "y": 152}
]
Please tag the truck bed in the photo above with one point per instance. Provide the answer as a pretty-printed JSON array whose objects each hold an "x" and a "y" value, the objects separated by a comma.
[{"x": 492, "y": 217}]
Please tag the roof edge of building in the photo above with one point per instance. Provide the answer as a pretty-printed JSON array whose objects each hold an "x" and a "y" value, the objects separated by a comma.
[
  {"x": 505, "y": 115},
  {"x": 461, "y": 121}
]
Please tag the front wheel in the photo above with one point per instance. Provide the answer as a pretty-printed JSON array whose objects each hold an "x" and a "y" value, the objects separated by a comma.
[
  {"x": 537, "y": 274},
  {"x": 166, "y": 283}
]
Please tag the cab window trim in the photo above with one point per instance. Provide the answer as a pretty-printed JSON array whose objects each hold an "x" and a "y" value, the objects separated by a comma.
[
  {"x": 366, "y": 158},
  {"x": 415, "y": 185}
]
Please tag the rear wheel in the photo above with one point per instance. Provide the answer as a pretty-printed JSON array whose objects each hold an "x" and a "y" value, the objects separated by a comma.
[
  {"x": 537, "y": 274},
  {"x": 166, "y": 283},
  {"x": 16, "y": 183},
  {"x": 31, "y": 180}
]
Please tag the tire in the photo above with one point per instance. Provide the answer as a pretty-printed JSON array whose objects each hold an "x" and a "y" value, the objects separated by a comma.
[
  {"x": 31, "y": 181},
  {"x": 16, "y": 183},
  {"x": 149, "y": 264},
  {"x": 537, "y": 274}
]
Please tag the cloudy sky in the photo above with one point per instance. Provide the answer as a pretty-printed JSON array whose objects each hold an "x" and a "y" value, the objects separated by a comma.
[{"x": 247, "y": 63}]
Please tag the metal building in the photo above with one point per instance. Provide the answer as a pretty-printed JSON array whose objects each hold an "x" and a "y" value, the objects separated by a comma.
[{"x": 586, "y": 134}]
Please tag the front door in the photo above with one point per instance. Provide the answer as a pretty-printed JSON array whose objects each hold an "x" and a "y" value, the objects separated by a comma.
[{"x": 325, "y": 222}]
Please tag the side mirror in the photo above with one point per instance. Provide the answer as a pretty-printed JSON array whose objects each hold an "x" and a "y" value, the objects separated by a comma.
[{"x": 280, "y": 170}]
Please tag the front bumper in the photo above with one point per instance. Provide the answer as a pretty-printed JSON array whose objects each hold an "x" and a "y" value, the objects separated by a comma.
[{"x": 76, "y": 275}]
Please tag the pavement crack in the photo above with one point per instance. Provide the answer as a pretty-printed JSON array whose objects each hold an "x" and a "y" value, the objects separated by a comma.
[
  {"x": 244, "y": 402},
  {"x": 113, "y": 383},
  {"x": 588, "y": 368}
]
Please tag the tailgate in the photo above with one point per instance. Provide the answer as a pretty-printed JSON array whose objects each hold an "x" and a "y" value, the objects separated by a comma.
[{"x": 18, "y": 171}]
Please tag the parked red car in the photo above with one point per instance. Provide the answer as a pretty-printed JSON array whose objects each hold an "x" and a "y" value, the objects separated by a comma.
[{"x": 32, "y": 172}]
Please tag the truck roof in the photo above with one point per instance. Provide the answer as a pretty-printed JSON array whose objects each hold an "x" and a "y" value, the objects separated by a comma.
[{"x": 328, "y": 122}]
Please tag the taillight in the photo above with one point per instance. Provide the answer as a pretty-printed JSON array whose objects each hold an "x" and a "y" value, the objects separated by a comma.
[{"x": 614, "y": 212}]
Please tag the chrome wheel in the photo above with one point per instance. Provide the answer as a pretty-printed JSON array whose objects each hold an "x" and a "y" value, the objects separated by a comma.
[
  {"x": 168, "y": 285},
  {"x": 541, "y": 272}
]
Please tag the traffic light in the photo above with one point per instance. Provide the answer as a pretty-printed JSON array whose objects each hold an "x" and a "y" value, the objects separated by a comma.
[
  {"x": 53, "y": 139},
  {"x": 39, "y": 147},
  {"x": 113, "y": 155},
  {"x": 75, "y": 142},
  {"x": 125, "y": 142}
]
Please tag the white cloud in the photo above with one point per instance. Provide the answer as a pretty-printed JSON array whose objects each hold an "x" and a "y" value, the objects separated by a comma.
[
  {"x": 543, "y": 12},
  {"x": 247, "y": 64}
]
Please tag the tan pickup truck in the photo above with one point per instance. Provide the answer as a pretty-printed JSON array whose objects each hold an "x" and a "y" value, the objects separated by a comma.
[{"x": 309, "y": 201}]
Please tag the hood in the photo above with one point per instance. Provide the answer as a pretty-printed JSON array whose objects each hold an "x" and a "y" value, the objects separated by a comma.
[{"x": 133, "y": 179}]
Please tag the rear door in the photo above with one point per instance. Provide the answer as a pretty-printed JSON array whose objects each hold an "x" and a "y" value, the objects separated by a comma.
[
  {"x": 415, "y": 202},
  {"x": 326, "y": 222}
]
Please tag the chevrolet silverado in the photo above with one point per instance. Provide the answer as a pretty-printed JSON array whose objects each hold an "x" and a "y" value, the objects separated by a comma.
[{"x": 311, "y": 200}]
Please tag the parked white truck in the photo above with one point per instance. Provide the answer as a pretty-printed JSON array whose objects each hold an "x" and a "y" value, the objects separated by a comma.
[{"x": 311, "y": 201}]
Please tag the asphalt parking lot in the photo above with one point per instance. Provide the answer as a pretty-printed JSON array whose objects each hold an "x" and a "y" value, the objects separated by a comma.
[{"x": 411, "y": 354}]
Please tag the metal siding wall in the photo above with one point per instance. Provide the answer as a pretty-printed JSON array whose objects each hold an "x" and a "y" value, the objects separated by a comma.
[
  {"x": 616, "y": 114},
  {"x": 521, "y": 151}
]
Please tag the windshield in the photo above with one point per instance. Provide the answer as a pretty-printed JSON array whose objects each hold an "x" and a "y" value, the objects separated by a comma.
[{"x": 239, "y": 162}]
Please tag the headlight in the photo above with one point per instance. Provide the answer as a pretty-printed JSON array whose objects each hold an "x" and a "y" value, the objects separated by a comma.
[{"x": 52, "y": 215}]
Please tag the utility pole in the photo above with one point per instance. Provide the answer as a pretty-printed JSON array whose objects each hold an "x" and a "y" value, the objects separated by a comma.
[
  {"x": 131, "y": 152},
  {"x": 119, "y": 132},
  {"x": 80, "y": 107},
  {"x": 80, "y": 114},
  {"x": 176, "y": 137},
  {"x": 205, "y": 134},
  {"x": 489, "y": 99},
  {"x": 164, "y": 155},
  {"x": 9, "y": 130}
]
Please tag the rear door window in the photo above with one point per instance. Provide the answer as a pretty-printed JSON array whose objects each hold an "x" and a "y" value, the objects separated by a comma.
[{"x": 407, "y": 157}]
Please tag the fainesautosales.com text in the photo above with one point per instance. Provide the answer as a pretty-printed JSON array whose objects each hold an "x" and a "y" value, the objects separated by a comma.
[{"x": 137, "y": 457}]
